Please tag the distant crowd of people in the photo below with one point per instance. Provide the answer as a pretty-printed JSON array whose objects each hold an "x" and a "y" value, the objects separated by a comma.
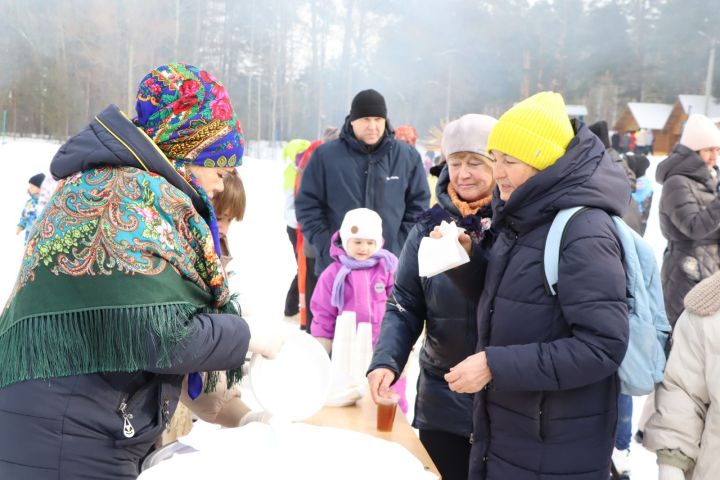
[{"x": 641, "y": 142}]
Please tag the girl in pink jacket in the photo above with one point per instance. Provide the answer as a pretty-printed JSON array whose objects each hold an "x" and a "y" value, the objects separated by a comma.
[{"x": 359, "y": 280}]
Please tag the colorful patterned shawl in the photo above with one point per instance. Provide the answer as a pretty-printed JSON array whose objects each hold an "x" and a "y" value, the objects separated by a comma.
[{"x": 119, "y": 256}]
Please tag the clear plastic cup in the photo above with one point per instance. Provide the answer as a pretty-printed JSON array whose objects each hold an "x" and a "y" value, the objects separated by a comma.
[{"x": 386, "y": 408}]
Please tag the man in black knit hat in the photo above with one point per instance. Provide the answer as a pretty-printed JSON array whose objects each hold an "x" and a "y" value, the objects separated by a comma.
[
  {"x": 368, "y": 117},
  {"x": 365, "y": 167}
]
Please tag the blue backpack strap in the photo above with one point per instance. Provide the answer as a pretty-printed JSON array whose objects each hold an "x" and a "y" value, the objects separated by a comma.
[{"x": 553, "y": 243}]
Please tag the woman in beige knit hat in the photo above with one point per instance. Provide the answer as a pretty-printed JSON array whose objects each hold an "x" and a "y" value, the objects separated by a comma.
[
  {"x": 685, "y": 428},
  {"x": 464, "y": 192},
  {"x": 689, "y": 211}
]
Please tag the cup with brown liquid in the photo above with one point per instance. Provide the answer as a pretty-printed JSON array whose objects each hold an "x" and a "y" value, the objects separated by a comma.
[{"x": 386, "y": 408}]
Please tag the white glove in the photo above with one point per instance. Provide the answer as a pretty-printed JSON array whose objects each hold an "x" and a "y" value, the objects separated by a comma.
[
  {"x": 670, "y": 472},
  {"x": 255, "y": 416},
  {"x": 266, "y": 339}
]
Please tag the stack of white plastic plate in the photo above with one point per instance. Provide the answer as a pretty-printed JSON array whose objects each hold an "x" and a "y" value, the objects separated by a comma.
[{"x": 294, "y": 385}]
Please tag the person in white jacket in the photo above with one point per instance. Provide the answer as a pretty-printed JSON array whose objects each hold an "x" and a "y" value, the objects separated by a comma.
[{"x": 684, "y": 431}]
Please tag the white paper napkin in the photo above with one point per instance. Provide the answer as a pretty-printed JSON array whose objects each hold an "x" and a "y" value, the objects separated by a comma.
[{"x": 437, "y": 255}]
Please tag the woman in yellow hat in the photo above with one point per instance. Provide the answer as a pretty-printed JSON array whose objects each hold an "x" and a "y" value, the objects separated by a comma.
[{"x": 545, "y": 367}]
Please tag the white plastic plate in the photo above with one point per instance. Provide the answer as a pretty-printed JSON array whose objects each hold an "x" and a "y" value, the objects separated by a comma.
[{"x": 294, "y": 385}]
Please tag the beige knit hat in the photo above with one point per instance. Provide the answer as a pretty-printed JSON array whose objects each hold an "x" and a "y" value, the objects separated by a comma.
[
  {"x": 700, "y": 132},
  {"x": 703, "y": 299},
  {"x": 468, "y": 133}
]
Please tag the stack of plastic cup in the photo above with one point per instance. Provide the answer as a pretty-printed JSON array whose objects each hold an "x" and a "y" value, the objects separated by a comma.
[
  {"x": 362, "y": 351},
  {"x": 343, "y": 343}
]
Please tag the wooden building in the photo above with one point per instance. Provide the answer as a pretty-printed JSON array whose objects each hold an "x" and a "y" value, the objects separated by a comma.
[
  {"x": 683, "y": 108},
  {"x": 651, "y": 116}
]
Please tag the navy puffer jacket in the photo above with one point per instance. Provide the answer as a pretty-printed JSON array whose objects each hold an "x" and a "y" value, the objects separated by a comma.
[
  {"x": 550, "y": 411},
  {"x": 344, "y": 174},
  {"x": 450, "y": 318}
]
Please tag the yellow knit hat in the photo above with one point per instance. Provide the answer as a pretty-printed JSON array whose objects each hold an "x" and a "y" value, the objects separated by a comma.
[{"x": 536, "y": 130}]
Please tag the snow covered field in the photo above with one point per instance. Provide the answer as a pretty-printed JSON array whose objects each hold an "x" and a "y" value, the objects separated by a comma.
[{"x": 263, "y": 255}]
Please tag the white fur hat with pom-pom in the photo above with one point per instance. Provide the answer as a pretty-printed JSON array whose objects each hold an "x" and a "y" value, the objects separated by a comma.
[{"x": 361, "y": 223}]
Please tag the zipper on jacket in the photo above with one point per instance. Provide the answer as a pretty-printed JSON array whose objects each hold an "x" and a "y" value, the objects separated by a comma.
[
  {"x": 128, "y": 429},
  {"x": 368, "y": 297},
  {"x": 166, "y": 413},
  {"x": 396, "y": 304},
  {"x": 541, "y": 419},
  {"x": 130, "y": 386},
  {"x": 368, "y": 194}
]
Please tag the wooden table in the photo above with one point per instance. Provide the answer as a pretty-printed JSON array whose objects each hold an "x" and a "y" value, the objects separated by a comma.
[{"x": 361, "y": 417}]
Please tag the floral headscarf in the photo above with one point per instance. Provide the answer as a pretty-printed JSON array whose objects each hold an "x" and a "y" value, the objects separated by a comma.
[{"x": 187, "y": 113}]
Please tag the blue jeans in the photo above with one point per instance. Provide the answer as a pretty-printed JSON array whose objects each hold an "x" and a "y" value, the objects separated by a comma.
[{"x": 624, "y": 425}]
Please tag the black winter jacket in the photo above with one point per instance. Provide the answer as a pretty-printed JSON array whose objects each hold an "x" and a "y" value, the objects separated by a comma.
[
  {"x": 632, "y": 216},
  {"x": 690, "y": 221},
  {"x": 72, "y": 427},
  {"x": 343, "y": 174},
  {"x": 436, "y": 304},
  {"x": 550, "y": 411}
]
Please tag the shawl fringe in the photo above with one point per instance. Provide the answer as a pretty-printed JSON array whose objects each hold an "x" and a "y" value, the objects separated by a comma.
[{"x": 112, "y": 339}]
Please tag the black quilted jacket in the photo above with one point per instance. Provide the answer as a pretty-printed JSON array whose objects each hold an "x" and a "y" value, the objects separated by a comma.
[{"x": 690, "y": 221}]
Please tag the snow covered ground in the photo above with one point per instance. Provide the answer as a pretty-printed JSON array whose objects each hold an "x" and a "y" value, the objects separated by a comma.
[{"x": 263, "y": 255}]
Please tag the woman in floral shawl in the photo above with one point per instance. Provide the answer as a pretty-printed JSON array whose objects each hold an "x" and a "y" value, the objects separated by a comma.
[{"x": 121, "y": 293}]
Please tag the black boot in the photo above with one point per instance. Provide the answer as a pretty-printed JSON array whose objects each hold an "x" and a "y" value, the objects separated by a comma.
[{"x": 292, "y": 301}]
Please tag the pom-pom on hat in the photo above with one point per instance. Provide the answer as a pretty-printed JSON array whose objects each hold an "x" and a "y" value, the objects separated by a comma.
[
  {"x": 468, "y": 133},
  {"x": 361, "y": 223},
  {"x": 536, "y": 131},
  {"x": 187, "y": 113},
  {"x": 700, "y": 132}
]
